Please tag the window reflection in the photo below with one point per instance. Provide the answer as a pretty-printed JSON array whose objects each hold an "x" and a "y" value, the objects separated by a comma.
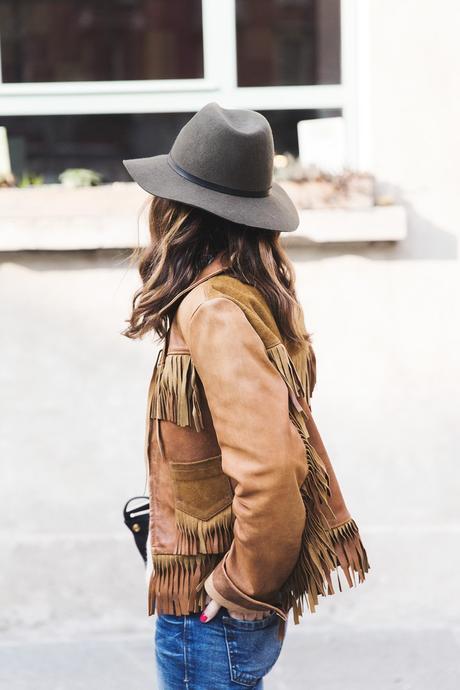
[
  {"x": 288, "y": 42},
  {"x": 47, "y": 145},
  {"x": 94, "y": 40}
]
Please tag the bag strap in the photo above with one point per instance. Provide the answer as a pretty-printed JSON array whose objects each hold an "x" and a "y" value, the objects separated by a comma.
[
  {"x": 157, "y": 421},
  {"x": 192, "y": 285}
]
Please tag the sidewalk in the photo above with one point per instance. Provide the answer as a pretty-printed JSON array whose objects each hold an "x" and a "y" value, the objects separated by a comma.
[{"x": 311, "y": 660}]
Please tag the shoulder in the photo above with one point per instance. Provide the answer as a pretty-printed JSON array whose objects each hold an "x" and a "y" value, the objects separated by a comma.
[
  {"x": 226, "y": 315},
  {"x": 204, "y": 308},
  {"x": 225, "y": 302}
]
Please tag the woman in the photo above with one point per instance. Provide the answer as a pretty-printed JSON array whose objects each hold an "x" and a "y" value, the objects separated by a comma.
[{"x": 247, "y": 520}]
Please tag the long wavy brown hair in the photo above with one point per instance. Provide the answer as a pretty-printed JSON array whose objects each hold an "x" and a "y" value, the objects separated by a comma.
[{"x": 184, "y": 239}]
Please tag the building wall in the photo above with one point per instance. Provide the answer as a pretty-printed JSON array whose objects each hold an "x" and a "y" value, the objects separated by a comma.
[
  {"x": 386, "y": 331},
  {"x": 415, "y": 110}
]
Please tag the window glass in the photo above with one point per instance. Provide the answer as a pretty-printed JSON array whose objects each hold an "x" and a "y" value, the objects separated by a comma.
[
  {"x": 100, "y": 40},
  {"x": 45, "y": 146},
  {"x": 288, "y": 42}
]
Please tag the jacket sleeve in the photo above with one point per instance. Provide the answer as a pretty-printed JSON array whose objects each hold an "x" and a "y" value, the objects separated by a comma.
[{"x": 261, "y": 452}]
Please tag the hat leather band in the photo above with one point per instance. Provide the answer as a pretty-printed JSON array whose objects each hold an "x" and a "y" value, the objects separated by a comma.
[{"x": 211, "y": 185}]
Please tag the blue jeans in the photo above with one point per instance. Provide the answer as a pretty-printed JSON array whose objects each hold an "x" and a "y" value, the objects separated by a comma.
[{"x": 222, "y": 654}]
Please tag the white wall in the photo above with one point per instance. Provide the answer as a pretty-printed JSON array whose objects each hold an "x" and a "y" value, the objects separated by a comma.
[
  {"x": 415, "y": 106},
  {"x": 387, "y": 330}
]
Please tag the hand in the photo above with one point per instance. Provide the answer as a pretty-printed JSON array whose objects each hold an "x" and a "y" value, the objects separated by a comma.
[{"x": 212, "y": 607}]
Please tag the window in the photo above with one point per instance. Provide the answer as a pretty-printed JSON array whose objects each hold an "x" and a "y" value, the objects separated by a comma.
[
  {"x": 288, "y": 42},
  {"x": 100, "y": 40},
  {"x": 94, "y": 58}
]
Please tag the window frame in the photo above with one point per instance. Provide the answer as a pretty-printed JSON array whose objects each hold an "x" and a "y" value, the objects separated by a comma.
[{"x": 351, "y": 96}]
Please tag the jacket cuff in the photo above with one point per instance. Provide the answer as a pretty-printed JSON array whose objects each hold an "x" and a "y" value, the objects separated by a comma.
[{"x": 220, "y": 588}]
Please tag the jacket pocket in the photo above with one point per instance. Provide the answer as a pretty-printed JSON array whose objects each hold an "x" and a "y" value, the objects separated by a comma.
[
  {"x": 253, "y": 647},
  {"x": 203, "y": 505}
]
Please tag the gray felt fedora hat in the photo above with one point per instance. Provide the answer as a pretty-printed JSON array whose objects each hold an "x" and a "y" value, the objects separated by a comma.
[{"x": 221, "y": 161}]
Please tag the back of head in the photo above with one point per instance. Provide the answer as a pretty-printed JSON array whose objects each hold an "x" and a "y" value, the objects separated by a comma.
[{"x": 185, "y": 239}]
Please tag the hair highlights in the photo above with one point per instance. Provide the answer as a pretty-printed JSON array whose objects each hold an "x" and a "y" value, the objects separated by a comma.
[{"x": 184, "y": 239}]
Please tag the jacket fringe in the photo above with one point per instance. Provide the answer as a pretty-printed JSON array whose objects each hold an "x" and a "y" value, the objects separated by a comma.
[
  {"x": 177, "y": 396},
  {"x": 317, "y": 557},
  {"x": 175, "y": 582},
  {"x": 205, "y": 536},
  {"x": 350, "y": 552},
  {"x": 307, "y": 372},
  {"x": 323, "y": 549},
  {"x": 300, "y": 378},
  {"x": 279, "y": 357}
]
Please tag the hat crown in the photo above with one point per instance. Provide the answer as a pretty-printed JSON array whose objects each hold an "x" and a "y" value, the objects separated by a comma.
[{"x": 227, "y": 147}]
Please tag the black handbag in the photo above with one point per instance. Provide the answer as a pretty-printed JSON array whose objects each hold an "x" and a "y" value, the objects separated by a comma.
[{"x": 136, "y": 518}]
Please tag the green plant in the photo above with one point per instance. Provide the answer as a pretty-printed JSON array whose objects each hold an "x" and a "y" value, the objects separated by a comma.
[
  {"x": 80, "y": 177},
  {"x": 30, "y": 179}
]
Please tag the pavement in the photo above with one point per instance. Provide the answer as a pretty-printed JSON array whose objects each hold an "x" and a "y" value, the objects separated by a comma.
[{"x": 318, "y": 659}]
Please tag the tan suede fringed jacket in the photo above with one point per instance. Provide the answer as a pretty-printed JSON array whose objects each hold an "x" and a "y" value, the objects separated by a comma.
[{"x": 244, "y": 503}]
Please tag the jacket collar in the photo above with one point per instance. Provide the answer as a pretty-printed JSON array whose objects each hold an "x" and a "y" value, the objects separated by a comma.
[{"x": 216, "y": 266}]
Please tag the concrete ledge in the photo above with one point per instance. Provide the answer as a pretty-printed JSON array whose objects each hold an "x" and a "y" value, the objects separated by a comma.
[
  {"x": 377, "y": 224},
  {"x": 54, "y": 217}
]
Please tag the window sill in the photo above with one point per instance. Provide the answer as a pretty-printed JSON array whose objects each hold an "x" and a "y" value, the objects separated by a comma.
[
  {"x": 375, "y": 224},
  {"x": 54, "y": 217}
]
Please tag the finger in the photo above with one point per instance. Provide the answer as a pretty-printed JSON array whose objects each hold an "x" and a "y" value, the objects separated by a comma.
[
  {"x": 209, "y": 611},
  {"x": 237, "y": 616},
  {"x": 249, "y": 615},
  {"x": 242, "y": 616}
]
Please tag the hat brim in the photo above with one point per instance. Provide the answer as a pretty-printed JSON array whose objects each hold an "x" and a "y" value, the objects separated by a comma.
[{"x": 276, "y": 211}]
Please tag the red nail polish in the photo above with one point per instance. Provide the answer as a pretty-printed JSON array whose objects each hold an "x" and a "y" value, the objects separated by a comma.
[{"x": 203, "y": 618}]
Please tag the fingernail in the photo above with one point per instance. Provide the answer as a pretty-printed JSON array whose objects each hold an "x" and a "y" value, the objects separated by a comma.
[{"x": 203, "y": 618}]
